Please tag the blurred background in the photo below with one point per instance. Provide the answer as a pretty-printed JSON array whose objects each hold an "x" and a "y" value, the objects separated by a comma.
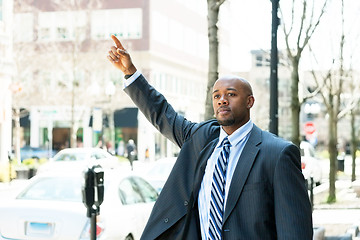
[{"x": 59, "y": 91}]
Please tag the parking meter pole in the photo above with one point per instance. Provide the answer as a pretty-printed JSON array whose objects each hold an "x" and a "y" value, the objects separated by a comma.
[
  {"x": 93, "y": 195},
  {"x": 93, "y": 226}
]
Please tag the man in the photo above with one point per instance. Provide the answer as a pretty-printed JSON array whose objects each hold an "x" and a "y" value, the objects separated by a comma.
[
  {"x": 131, "y": 152},
  {"x": 231, "y": 179}
]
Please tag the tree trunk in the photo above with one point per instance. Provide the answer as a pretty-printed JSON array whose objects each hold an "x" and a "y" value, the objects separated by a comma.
[
  {"x": 17, "y": 135},
  {"x": 295, "y": 104},
  {"x": 353, "y": 146},
  {"x": 333, "y": 152},
  {"x": 73, "y": 128},
  {"x": 213, "y": 74}
]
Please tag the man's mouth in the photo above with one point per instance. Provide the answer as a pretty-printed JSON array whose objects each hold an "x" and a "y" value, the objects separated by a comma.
[{"x": 223, "y": 110}]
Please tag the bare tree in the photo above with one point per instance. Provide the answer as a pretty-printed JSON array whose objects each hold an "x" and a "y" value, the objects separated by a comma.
[
  {"x": 75, "y": 49},
  {"x": 333, "y": 85},
  {"x": 56, "y": 72},
  {"x": 302, "y": 35},
  {"x": 354, "y": 142},
  {"x": 213, "y": 74}
]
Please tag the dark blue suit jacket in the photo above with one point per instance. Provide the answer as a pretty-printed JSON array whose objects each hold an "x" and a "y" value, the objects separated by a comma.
[{"x": 267, "y": 197}]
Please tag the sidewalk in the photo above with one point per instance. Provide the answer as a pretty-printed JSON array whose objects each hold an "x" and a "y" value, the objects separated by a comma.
[{"x": 336, "y": 218}]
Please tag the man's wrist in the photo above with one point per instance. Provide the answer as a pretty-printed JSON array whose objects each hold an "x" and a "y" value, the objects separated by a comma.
[
  {"x": 128, "y": 76},
  {"x": 130, "y": 71}
]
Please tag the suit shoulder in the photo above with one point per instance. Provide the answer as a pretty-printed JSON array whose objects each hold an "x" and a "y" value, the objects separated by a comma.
[
  {"x": 209, "y": 126},
  {"x": 275, "y": 142}
]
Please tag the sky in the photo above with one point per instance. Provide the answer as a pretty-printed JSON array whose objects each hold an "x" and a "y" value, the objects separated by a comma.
[{"x": 251, "y": 30}]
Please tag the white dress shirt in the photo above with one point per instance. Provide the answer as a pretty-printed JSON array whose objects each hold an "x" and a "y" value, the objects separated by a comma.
[{"x": 237, "y": 140}]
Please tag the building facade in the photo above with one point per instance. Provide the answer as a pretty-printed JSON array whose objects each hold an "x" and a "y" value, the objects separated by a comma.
[
  {"x": 66, "y": 78},
  {"x": 259, "y": 77},
  {"x": 6, "y": 68}
]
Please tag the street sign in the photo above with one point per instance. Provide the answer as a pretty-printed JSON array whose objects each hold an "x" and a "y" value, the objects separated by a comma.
[{"x": 309, "y": 128}]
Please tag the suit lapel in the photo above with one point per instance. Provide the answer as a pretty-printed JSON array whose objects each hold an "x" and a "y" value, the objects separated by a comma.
[
  {"x": 242, "y": 170},
  {"x": 202, "y": 161}
]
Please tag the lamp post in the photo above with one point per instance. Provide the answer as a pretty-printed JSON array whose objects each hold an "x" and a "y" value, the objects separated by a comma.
[{"x": 274, "y": 70}]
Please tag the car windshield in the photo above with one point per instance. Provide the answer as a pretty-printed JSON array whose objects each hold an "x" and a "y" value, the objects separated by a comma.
[
  {"x": 161, "y": 170},
  {"x": 54, "y": 188},
  {"x": 79, "y": 156}
]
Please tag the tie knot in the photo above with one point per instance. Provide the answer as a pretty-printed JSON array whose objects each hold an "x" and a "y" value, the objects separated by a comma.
[{"x": 226, "y": 142}]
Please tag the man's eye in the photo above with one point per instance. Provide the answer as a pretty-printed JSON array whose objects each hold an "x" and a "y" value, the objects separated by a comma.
[
  {"x": 231, "y": 94},
  {"x": 216, "y": 96}
]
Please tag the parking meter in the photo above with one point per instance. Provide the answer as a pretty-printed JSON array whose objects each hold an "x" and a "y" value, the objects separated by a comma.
[{"x": 93, "y": 194}]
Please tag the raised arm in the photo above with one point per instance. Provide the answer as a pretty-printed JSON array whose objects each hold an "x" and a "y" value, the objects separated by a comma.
[
  {"x": 150, "y": 102},
  {"x": 120, "y": 58}
]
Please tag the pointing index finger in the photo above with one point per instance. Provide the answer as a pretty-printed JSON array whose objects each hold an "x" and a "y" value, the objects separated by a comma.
[{"x": 117, "y": 42}]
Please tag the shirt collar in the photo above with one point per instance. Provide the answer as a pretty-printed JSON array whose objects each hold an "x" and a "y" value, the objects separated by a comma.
[{"x": 236, "y": 136}]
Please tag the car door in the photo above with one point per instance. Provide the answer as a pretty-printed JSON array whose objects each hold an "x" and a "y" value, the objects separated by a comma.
[{"x": 140, "y": 197}]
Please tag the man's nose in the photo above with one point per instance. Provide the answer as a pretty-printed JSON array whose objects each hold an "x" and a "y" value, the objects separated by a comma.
[{"x": 223, "y": 101}]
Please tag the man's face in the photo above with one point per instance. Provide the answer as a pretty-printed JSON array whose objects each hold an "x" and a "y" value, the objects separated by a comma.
[{"x": 232, "y": 99}]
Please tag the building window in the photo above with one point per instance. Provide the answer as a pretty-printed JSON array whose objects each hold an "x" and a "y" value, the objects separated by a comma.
[
  {"x": 79, "y": 33},
  {"x": 62, "y": 33},
  {"x": 62, "y": 25},
  {"x": 259, "y": 60},
  {"x": 44, "y": 33},
  {"x": 124, "y": 23}
]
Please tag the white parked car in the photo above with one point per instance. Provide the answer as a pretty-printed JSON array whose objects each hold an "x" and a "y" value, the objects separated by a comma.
[
  {"x": 69, "y": 158},
  {"x": 310, "y": 165},
  {"x": 158, "y": 172},
  {"x": 51, "y": 207}
]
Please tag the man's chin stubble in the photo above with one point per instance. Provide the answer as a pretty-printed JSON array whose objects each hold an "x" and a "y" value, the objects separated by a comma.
[{"x": 226, "y": 122}]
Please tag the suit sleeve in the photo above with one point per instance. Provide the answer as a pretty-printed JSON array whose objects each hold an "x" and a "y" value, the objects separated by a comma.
[
  {"x": 293, "y": 212},
  {"x": 159, "y": 112}
]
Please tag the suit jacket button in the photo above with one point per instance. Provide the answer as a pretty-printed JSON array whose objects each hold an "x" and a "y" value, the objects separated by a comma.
[
  {"x": 186, "y": 203},
  {"x": 166, "y": 220}
]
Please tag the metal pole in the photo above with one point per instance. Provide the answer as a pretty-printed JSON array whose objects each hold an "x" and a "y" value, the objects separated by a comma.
[
  {"x": 93, "y": 226},
  {"x": 274, "y": 70},
  {"x": 312, "y": 193}
]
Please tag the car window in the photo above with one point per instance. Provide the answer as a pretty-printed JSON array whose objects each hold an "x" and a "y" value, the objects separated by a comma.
[
  {"x": 98, "y": 155},
  {"x": 71, "y": 157},
  {"x": 54, "y": 188},
  {"x": 148, "y": 193},
  {"x": 129, "y": 193}
]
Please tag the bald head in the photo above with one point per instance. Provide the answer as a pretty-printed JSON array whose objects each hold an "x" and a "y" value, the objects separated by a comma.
[{"x": 245, "y": 85}]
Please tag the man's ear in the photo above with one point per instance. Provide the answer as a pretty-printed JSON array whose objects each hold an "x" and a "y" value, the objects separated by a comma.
[{"x": 251, "y": 101}]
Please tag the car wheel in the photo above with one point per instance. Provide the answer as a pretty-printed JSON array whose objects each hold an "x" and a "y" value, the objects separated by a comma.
[{"x": 129, "y": 237}]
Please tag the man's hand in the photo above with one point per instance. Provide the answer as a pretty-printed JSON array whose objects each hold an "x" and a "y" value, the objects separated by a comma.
[{"x": 120, "y": 58}]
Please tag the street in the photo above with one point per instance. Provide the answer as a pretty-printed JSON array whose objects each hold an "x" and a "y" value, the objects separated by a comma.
[
  {"x": 338, "y": 217},
  {"x": 335, "y": 218},
  {"x": 336, "y": 221}
]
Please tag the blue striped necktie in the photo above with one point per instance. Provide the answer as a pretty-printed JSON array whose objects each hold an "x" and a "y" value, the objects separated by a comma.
[{"x": 218, "y": 192}]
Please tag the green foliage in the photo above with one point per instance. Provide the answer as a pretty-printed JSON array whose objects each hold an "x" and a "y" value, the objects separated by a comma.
[
  {"x": 33, "y": 162},
  {"x": 29, "y": 162},
  {"x": 122, "y": 159},
  {"x": 331, "y": 199}
]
